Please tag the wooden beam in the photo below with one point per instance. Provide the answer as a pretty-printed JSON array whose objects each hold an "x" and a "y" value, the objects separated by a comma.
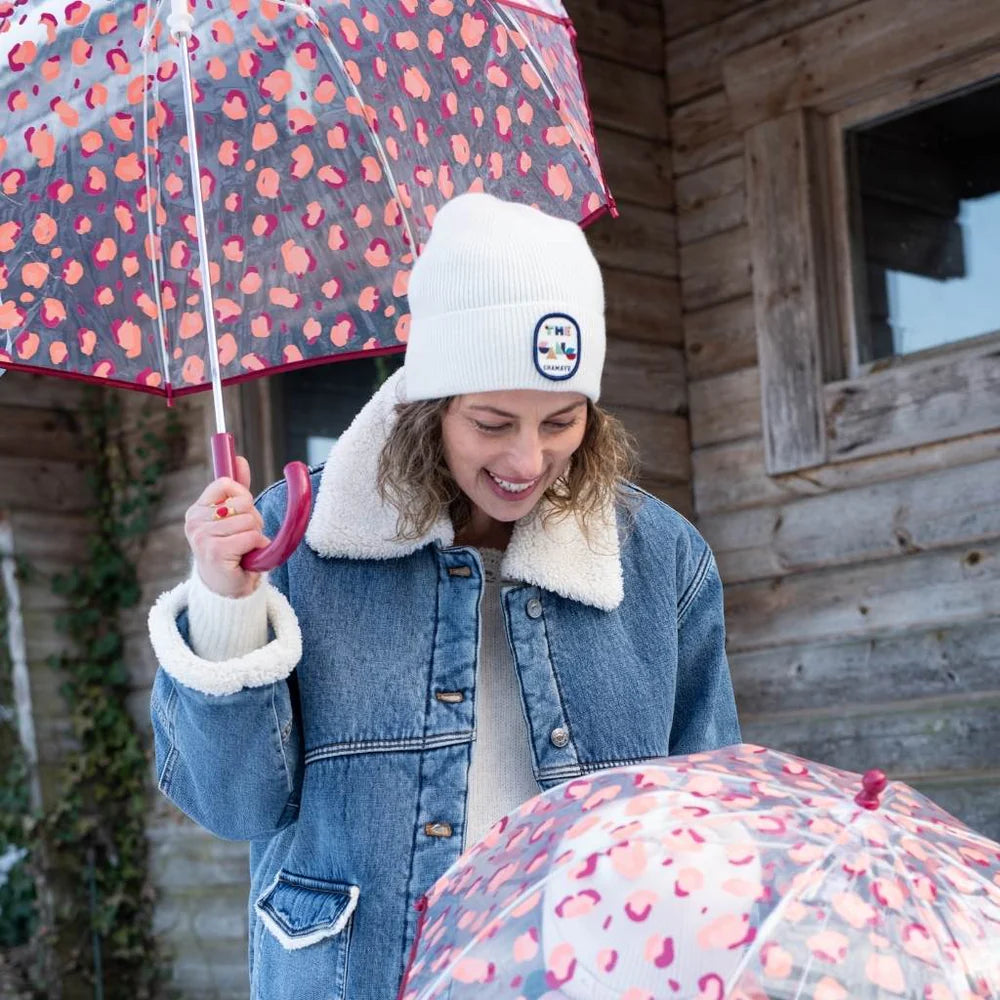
[
  {"x": 641, "y": 239},
  {"x": 720, "y": 338},
  {"x": 702, "y": 133},
  {"x": 637, "y": 170},
  {"x": 958, "y": 506},
  {"x": 44, "y": 392},
  {"x": 732, "y": 476},
  {"x": 716, "y": 270},
  {"x": 625, "y": 98},
  {"x": 901, "y": 739},
  {"x": 972, "y": 796},
  {"x": 923, "y": 663},
  {"x": 662, "y": 439},
  {"x": 694, "y": 62},
  {"x": 786, "y": 292},
  {"x": 953, "y": 393},
  {"x": 643, "y": 307},
  {"x": 711, "y": 200},
  {"x": 643, "y": 375},
  {"x": 628, "y": 31},
  {"x": 926, "y": 589},
  {"x": 682, "y": 16},
  {"x": 854, "y": 53},
  {"x": 725, "y": 408}
]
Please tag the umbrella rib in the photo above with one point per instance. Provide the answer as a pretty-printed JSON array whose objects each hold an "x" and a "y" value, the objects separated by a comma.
[
  {"x": 925, "y": 912},
  {"x": 154, "y": 256},
  {"x": 774, "y": 917},
  {"x": 376, "y": 141}
]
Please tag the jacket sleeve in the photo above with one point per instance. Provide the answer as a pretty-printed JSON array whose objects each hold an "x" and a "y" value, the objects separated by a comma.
[
  {"x": 704, "y": 705},
  {"x": 227, "y": 733}
]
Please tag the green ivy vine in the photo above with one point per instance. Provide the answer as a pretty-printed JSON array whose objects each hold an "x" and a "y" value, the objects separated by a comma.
[
  {"x": 18, "y": 910},
  {"x": 94, "y": 836}
]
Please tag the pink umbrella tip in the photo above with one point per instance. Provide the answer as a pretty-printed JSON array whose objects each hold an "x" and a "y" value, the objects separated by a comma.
[{"x": 872, "y": 786}]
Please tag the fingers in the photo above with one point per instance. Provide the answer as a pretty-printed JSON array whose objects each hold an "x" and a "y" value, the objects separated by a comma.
[
  {"x": 221, "y": 488},
  {"x": 243, "y": 472}
]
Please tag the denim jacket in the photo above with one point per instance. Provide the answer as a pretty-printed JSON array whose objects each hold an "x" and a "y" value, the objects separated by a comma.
[{"x": 341, "y": 749}]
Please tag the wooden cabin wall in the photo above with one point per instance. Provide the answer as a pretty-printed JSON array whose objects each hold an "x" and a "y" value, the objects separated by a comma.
[
  {"x": 201, "y": 881},
  {"x": 863, "y": 597},
  {"x": 621, "y": 47},
  {"x": 44, "y": 501}
]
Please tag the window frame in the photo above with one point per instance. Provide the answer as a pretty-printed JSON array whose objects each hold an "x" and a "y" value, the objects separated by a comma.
[{"x": 819, "y": 404}]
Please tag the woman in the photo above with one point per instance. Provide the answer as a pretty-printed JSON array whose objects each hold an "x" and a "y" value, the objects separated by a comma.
[{"x": 483, "y": 607}]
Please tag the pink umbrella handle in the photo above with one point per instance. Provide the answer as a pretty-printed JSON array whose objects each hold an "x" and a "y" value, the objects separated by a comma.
[{"x": 286, "y": 541}]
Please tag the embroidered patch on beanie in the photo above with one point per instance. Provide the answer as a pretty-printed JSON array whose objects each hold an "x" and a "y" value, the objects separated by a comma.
[{"x": 556, "y": 346}]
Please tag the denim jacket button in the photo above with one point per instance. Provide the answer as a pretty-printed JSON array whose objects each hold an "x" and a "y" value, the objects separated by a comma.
[
  {"x": 438, "y": 829},
  {"x": 559, "y": 737},
  {"x": 533, "y": 608}
]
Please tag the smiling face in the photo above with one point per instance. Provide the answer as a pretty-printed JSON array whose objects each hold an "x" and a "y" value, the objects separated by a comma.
[{"x": 505, "y": 449}]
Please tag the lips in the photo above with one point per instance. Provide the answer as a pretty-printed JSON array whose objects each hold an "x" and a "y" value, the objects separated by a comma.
[{"x": 511, "y": 489}]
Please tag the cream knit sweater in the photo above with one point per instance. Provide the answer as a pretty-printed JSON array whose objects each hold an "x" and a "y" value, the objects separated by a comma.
[{"x": 500, "y": 774}]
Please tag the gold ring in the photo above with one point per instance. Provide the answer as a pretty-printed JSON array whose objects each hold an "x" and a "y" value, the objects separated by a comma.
[{"x": 222, "y": 510}]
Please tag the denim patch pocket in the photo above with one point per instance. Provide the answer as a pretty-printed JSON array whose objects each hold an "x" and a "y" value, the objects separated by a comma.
[{"x": 303, "y": 938}]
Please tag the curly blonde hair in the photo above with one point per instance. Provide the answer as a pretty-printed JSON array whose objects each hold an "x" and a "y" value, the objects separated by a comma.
[{"x": 414, "y": 477}]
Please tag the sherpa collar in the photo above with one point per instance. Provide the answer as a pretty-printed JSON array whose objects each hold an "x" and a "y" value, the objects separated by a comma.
[{"x": 350, "y": 520}]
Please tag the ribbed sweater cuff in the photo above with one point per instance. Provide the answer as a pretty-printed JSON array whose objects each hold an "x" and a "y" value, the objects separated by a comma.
[{"x": 221, "y": 628}]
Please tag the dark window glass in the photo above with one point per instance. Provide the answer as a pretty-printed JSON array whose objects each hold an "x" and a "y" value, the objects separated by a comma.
[
  {"x": 318, "y": 403},
  {"x": 926, "y": 224}
]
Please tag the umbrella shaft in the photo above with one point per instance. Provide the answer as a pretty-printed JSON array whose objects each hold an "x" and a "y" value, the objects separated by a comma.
[{"x": 199, "y": 217}]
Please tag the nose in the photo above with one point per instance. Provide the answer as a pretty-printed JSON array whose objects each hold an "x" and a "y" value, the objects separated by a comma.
[{"x": 527, "y": 457}]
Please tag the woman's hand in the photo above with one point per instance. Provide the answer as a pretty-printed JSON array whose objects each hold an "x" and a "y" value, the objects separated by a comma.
[{"x": 221, "y": 526}]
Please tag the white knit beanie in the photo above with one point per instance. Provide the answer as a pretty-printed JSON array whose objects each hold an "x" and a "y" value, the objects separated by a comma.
[{"x": 504, "y": 297}]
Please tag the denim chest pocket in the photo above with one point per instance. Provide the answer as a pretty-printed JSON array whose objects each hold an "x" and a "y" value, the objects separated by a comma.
[{"x": 302, "y": 939}]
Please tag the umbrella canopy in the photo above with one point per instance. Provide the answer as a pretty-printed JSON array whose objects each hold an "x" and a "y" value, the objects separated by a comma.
[
  {"x": 741, "y": 873},
  {"x": 328, "y": 134}
]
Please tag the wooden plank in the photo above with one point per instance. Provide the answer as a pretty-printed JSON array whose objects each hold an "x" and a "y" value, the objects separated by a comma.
[
  {"x": 627, "y": 31},
  {"x": 952, "y": 393},
  {"x": 46, "y": 392},
  {"x": 42, "y": 484},
  {"x": 676, "y": 495},
  {"x": 694, "y": 63},
  {"x": 905, "y": 740},
  {"x": 682, "y": 16},
  {"x": 646, "y": 376},
  {"x": 853, "y": 53},
  {"x": 787, "y": 310},
  {"x": 913, "y": 591},
  {"x": 732, "y": 476},
  {"x": 637, "y": 170},
  {"x": 716, "y": 269},
  {"x": 942, "y": 509},
  {"x": 643, "y": 307},
  {"x": 33, "y": 432},
  {"x": 702, "y": 132},
  {"x": 924, "y": 663},
  {"x": 641, "y": 239},
  {"x": 974, "y": 798},
  {"x": 720, "y": 339},
  {"x": 625, "y": 98},
  {"x": 663, "y": 443},
  {"x": 725, "y": 408},
  {"x": 711, "y": 201}
]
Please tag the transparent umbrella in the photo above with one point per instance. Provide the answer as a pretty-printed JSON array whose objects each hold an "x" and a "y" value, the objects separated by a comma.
[
  {"x": 741, "y": 873},
  {"x": 320, "y": 138}
]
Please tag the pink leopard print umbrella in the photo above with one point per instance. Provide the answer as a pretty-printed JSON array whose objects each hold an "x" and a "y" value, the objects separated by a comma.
[
  {"x": 329, "y": 133},
  {"x": 743, "y": 873},
  {"x": 321, "y": 138}
]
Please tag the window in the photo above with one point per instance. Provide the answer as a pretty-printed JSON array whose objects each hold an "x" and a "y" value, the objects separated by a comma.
[
  {"x": 872, "y": 162},
  {"x": 924, "y": 190},
  {"x": 298, "y": 415}
]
